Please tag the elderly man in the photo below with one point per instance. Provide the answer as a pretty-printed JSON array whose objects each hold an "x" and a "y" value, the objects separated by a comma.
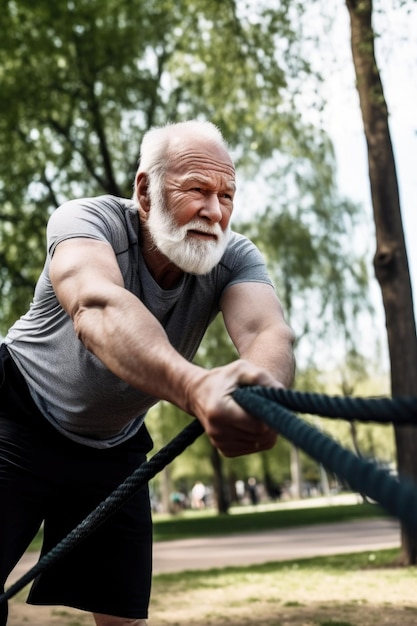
[{"x": 127, "y": 292}]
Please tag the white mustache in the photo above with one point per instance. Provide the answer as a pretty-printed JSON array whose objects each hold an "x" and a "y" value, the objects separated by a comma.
[
  {"x": 202, "y": 227},
  {"x": 178, "y": 234}
]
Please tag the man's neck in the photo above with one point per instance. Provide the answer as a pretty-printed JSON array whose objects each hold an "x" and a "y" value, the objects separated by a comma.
[{"x": 162, "y": 270}]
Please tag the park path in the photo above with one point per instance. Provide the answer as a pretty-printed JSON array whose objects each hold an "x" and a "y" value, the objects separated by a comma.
[
  {"x": 254, "y": 548},
  {"x": 277, "y": 545}
]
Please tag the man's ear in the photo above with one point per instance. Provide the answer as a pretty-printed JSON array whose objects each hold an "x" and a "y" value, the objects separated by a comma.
[{"x": 142, "y": 193}]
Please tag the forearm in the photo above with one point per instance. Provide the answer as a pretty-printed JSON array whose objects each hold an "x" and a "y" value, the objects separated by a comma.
[
  {"x": 273, "y": 350},
  {"x": 255, "y": 321},
  {"x": 129, "y": 340}
]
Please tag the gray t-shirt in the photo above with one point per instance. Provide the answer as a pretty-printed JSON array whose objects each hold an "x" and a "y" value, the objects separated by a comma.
[{"x": 72, "y": 387}]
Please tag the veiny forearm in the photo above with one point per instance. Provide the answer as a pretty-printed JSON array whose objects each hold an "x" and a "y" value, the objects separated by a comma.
[{"x": 127, "y": 338}]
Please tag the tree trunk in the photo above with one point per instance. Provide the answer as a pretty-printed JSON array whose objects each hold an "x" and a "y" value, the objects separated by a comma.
[
  {"x": 219, "y": 482},
  {"x": 166, "y": 489},
  {"x": 296, "y": 474},
  {"x": 390, "y": 261}
]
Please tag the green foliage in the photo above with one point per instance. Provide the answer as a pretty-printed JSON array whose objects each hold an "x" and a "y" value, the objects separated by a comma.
[
  {"x": 305, "y": 234},
  {"x": 81, "y": 82}
]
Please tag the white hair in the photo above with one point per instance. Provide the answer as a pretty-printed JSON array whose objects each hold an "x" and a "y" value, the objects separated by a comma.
[{"x": 154, "y": 149}]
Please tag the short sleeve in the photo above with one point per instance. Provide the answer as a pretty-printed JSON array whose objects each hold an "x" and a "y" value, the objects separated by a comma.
[{"x": 94, "y": 218}]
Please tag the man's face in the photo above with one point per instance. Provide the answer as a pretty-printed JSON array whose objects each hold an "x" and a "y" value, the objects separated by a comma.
[{"x": 189, "y": 218}]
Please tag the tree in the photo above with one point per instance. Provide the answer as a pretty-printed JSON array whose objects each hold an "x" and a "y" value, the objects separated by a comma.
[
  {"x": 82, "y": 81},
  {"x": 306, "y": 237},
  {"x": 390, "y": 261}
]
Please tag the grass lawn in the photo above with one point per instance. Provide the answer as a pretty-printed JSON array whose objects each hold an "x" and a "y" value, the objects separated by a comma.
[{"x": 361, "y": 589}]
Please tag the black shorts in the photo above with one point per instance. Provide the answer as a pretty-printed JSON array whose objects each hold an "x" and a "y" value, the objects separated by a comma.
[{"x": 47, "y": 478}]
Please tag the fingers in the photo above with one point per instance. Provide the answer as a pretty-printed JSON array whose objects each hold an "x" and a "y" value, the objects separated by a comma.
[
  {"x": 238, "y": 447},
  {"x": 233, "y": 431},
  {"x": 248, "y": 374}
]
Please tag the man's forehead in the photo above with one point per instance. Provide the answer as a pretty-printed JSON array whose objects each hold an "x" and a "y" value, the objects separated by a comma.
[
  {"x": 196, "y": 154},
  {"x": 207, "y": 178},
  {"x": 202, "y": 166}
]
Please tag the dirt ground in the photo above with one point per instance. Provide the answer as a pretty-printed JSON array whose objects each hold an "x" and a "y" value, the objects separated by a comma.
[
  {"x": 367, "y": 598},
  {"x": 238, "y": 613}
]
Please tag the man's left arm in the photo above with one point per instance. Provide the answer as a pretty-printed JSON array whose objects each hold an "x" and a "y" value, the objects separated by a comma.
[{"x": 255, "y": 321}]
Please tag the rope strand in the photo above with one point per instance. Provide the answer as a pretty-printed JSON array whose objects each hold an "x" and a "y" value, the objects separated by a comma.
[{"x": 399, "y": 410}]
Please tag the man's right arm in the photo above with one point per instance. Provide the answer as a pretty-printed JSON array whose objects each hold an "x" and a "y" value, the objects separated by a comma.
[{"x": 112, "y": 323}]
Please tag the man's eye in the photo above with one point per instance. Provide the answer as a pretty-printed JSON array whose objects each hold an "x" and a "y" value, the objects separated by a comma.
[
  {"x": 226, "y": 196},
  {"x": 198, "y": 189}
]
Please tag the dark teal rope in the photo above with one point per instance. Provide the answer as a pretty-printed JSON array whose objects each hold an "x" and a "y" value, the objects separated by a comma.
[
  {"x": 119, "y": 496},
  {"x": 400, "y": 410},
  {"x": 399, "y": 498}
]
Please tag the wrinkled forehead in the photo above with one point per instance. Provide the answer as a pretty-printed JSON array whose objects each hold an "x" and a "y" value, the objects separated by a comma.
[{"x": 188, "y": 154}]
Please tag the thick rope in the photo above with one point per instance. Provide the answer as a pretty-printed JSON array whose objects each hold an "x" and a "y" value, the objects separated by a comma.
[
  {"x": 400, "y": 410},
  {"x": 399, "y": 498},
  {"x": 116, "y": 499}
]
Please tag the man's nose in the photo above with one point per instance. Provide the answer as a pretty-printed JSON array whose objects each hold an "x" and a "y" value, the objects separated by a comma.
[{"x": 211, "y": 208}]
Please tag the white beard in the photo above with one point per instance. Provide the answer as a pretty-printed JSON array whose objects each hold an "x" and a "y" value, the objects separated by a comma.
[{"x": 189, "y": 254}]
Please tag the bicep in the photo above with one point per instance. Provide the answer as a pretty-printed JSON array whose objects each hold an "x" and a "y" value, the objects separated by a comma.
[{"x": 83, "y": 272}]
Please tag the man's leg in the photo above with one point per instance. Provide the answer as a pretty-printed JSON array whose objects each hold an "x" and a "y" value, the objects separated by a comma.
[
  {"x": 3, "y": 614},
  {"x": 109, "y": 573},
  {"x": 21, "y": 493},
  {"x": 20, "y": 516}
]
